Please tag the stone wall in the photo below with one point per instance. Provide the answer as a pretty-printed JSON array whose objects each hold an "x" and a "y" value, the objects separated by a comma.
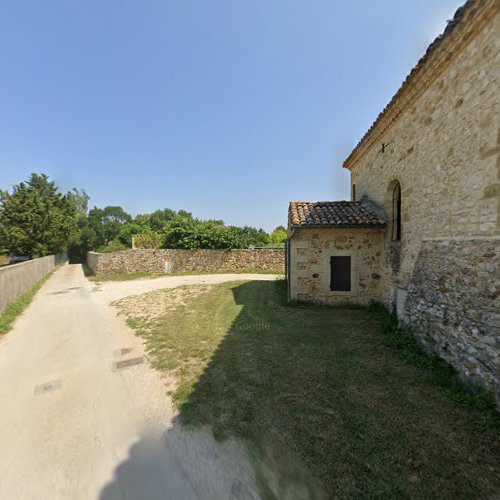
[
  {"x": 453, "y": 304},
  {"x": 19, "y": 278},
  {"x": 185, "y": 261},
  {"x": 310, "y": 253},
  {"x": 440, "y": 140},
  {"x": 444, "y": 149}
]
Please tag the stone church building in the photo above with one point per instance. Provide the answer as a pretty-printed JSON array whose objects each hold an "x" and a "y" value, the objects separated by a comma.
[{"x": 421, "y": 233}]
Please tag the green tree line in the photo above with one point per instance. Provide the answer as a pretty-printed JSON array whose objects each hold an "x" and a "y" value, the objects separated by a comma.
[{"x": 36, "y": 219}]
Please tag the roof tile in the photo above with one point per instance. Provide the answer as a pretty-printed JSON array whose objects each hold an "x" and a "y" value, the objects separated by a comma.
[{"x": 332, "y": 214}]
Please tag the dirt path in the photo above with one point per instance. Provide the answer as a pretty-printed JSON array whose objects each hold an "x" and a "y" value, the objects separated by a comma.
[
  {"x": 74, "y": 424},
  {"x": 114, "y": 290}
]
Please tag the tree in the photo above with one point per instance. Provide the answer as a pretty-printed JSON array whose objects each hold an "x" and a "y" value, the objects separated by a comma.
[
  {"x": 278, "y": 236},
  {"x": 80, "y": 200},
  {"x": 128, "y": 230},
  {"x": 148, "y": 240},
  {"x": 86, "y": 238},
  {"x": 106, "y": 223},
  {"x": 159, "y": 219},
  {"x": 194, "y": 234},
  {"x": 36, "y": 219},
  {"x": 248, "y": 236}
]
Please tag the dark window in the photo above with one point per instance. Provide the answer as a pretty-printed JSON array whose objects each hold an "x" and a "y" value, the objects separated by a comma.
[
  {"x": 340, "y": 268},
  {"x": 396, "y": 212}
]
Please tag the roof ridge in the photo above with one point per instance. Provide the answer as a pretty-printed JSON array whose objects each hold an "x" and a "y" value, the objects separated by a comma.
[
  {"x": 471, "y": 9},
  {"x": 325, "y": 201}
]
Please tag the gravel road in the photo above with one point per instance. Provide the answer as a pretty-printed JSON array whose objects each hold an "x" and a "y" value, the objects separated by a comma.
[
  {"x": 78, "y": 423},
  {"x": 114, "y": 290}
]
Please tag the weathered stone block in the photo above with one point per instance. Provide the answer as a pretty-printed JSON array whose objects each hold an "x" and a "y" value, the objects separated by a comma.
[{"x": 472, "y": 344}]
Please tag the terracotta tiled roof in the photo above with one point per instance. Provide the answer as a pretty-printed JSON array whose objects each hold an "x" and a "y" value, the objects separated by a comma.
[
  {"x": 461, "y": 18},
  {"x": 332, "y": 214}
]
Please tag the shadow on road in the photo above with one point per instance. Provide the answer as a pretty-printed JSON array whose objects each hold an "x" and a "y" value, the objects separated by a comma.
[{"x": 183, "y": 464}]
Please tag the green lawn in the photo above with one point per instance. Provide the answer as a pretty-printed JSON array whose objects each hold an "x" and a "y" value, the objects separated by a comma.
[
  {"x": 322, "y": 389},
  {"x": 4, "y": 260}
]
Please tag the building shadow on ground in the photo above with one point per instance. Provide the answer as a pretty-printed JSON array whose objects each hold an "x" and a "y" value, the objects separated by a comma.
[
  {"x": 217, "y": 448},
  {"x": 183, "y": 464},
  {"x": 313, "y": 401}
]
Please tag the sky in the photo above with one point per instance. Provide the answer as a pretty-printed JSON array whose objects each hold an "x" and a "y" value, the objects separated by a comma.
[{"x": 226, "y": 108}]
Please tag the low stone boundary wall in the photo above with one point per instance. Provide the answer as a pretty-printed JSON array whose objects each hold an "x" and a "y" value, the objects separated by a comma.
[
  {"x": 185, "y": 261},
  {"x": 19, "y": 278},
  {"x": 453, "y": 304}
]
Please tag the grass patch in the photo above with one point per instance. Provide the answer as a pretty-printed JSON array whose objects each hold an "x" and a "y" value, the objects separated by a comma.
[
  {"x": 341, "y": 389},
  {"x": 15, "y": 308},
  {"x": 439, "y": 373},
  {"x": 4, "y": 260}
]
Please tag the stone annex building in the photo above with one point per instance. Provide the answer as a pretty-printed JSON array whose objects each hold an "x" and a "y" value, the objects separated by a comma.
[{"x": 422, "y": 231}]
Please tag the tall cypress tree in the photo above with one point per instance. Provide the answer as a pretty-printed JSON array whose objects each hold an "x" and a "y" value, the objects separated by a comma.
[{"x": 36, "y": 219}]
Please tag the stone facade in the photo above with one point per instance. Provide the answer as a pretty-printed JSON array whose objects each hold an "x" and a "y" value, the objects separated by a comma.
[
  {"x": 443, "y": 149},
  {"x": 185, "y": 261},
  {"x": 309, "y": 271},
  {"x": 453, "y": 303},
  {"x": 439, "y": 141}
]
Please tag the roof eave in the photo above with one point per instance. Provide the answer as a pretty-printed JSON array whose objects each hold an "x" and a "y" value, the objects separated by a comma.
[
  {"x": 338, "y": 226},
  {"x": 437, "y": 58}
]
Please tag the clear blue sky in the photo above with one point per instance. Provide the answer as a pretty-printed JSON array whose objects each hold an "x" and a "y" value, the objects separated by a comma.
[{"x": 226, "y": 108}]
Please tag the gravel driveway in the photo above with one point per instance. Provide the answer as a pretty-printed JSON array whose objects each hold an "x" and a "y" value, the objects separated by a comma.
[{"x": 114, "y": 290}]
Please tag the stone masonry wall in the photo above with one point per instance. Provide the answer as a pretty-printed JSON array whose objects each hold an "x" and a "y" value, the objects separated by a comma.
[
  {"x": 311, "y": 250},
  {"x": 182, "y": 261},
  {"x": 453, "y": 304},
  {"x": 444, "y": 149}
]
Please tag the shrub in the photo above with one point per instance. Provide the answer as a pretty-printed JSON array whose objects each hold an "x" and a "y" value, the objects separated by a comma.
[
  {"x": 148, "y": 240},
  {"x": 114, "y": 246},
  {"x": 193, "y": 234},
  {"x": 278, "y": 236},
  {"x": 129, "y": 230}
]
